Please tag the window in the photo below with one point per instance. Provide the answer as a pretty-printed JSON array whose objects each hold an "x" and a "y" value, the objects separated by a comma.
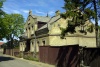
[
  {"x": 32, "y": 26},
  {"x": 58, "y": 25},
  {"x": 38, "y": 43},
  {"x": 32, "y": 42},
  {"x": 43, "y": 42},
  {"x": 29, "y": 28}
]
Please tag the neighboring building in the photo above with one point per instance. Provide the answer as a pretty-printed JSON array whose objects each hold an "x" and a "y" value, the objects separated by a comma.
[
  {"x": 1, "y": 43},
  {"x": 45, "y": 31}
]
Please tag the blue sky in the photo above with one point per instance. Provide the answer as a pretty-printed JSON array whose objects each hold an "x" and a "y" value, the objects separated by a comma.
[{"x": 38, "y": 7}]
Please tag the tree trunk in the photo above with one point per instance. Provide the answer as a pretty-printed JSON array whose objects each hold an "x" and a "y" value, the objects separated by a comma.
[{"x": 96, "y": 23}]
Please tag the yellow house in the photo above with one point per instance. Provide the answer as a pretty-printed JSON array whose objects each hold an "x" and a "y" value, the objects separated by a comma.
[{"x": 45, "y": 31}]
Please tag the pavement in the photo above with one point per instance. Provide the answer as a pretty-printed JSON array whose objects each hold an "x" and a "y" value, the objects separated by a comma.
[{"x": 20, "y": 62}]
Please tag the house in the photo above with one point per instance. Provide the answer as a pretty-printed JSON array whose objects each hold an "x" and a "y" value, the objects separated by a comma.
[
  {"x": 1, "y": 43},
  {"x": 45, "y": 31}
]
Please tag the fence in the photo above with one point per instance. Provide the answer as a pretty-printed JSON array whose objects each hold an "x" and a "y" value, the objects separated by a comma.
[
  {"x": 62, "y": 56},
  {"x": 91, "y": 57},
  {"x": 70, "y": 56},
  {"x": 13, "y": 52}
]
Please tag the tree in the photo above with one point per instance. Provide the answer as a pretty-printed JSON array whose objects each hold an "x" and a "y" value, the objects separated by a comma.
[
  {"x": 96, "y": 4},
  {"x": 14, "y": 24},
  {"x": 2, "y": 28},
  {"x": 80, "y": 11}
]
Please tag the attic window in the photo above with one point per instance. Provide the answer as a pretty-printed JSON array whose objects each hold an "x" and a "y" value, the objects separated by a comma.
[
  {"x": 29, "y": 28},
  {"x": 58, "y": 25}
]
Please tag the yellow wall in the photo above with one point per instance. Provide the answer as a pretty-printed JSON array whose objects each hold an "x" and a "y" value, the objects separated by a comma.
[{"x": 39, "y": 42}]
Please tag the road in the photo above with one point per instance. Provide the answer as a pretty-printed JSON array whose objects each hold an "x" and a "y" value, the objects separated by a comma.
[{"x": 7, "y": 61}]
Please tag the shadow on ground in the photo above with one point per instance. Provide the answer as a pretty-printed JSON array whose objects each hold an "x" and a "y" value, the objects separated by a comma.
[{"x": 3, "y": 58}]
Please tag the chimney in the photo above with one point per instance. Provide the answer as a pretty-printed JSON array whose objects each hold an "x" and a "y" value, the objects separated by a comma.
[
  {"x": 57, "y": 12},
  {"x": 47, "y": 15},
  {"x": 30, "y": 12}
]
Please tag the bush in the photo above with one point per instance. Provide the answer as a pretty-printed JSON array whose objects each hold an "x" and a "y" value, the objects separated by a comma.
[{"x": 30, "y": 58}]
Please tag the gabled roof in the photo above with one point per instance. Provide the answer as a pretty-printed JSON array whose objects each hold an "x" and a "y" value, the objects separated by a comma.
[
  {"x": 52, "y": 20},
  {"x": 41, "y": 18}
]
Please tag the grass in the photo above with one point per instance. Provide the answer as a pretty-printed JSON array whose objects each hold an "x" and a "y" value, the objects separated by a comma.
[{"x": 30, "y": 58}]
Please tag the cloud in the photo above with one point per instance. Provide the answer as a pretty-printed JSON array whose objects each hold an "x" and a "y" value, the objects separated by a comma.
[
  {"x": 40, "y": 12},
  {"x": 37, "y": 3},
  {"x": 51, "y": 12},
  {"x": 25, "y": 11},
  {"x": 16, "y": 11}
]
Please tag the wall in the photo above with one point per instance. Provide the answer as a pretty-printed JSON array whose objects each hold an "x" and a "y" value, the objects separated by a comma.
[
  {"x": 22, "y": 46},
  {"x": 71, "y": 40},
  {"x": 12, "y": 52},
  {"x": 29, "y": 26},
  {"x": 39, "y": 42},
  {"x": 56, "y": 41}
]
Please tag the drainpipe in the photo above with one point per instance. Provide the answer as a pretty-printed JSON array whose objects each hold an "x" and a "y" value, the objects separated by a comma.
[{"x": 34, "y": 53}]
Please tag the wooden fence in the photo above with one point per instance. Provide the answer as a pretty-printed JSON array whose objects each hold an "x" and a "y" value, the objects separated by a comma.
[
  {"x": 91, "y": 57},
  {"x": 62, "y": 56},
  {"x": 70, "y": 56},
  {"x": 12, "y": 52}
]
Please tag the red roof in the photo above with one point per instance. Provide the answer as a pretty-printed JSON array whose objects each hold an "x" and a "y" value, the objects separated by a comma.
[{"x": 1, "y": 43}]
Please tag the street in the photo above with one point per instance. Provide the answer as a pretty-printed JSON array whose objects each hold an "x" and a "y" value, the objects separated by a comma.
[{"x": 6, "y": 61}]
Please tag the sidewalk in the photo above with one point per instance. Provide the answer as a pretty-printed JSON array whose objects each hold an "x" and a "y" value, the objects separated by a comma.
[{"x": 37, "y": 64}]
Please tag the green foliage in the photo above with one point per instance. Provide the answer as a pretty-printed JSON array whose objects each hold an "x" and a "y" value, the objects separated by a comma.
[
  {"x": 80, "y": 11},
  {"x": 90, "y": 28},
  {"x": 1, "y": 3},
  {"x": 31, "y": 58},
  {"x": 14, "y": 24},
  {"x": 2, "y": 28}
]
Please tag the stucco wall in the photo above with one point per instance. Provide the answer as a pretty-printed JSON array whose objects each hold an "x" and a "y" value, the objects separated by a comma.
[
  {"x": 87, "y": 41},
  {"x": 22, "y": 45},
  {"x": 82, "y": 41},
  {"x": 56, "y": 41},
  {"x": 29, "y": 26},
  {"x": 39, "y": 42},
  {"x": 55, "y": 26}
]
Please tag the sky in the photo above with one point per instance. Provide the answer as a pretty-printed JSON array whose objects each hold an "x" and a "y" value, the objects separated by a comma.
[{"x": 38, "y": 7}]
